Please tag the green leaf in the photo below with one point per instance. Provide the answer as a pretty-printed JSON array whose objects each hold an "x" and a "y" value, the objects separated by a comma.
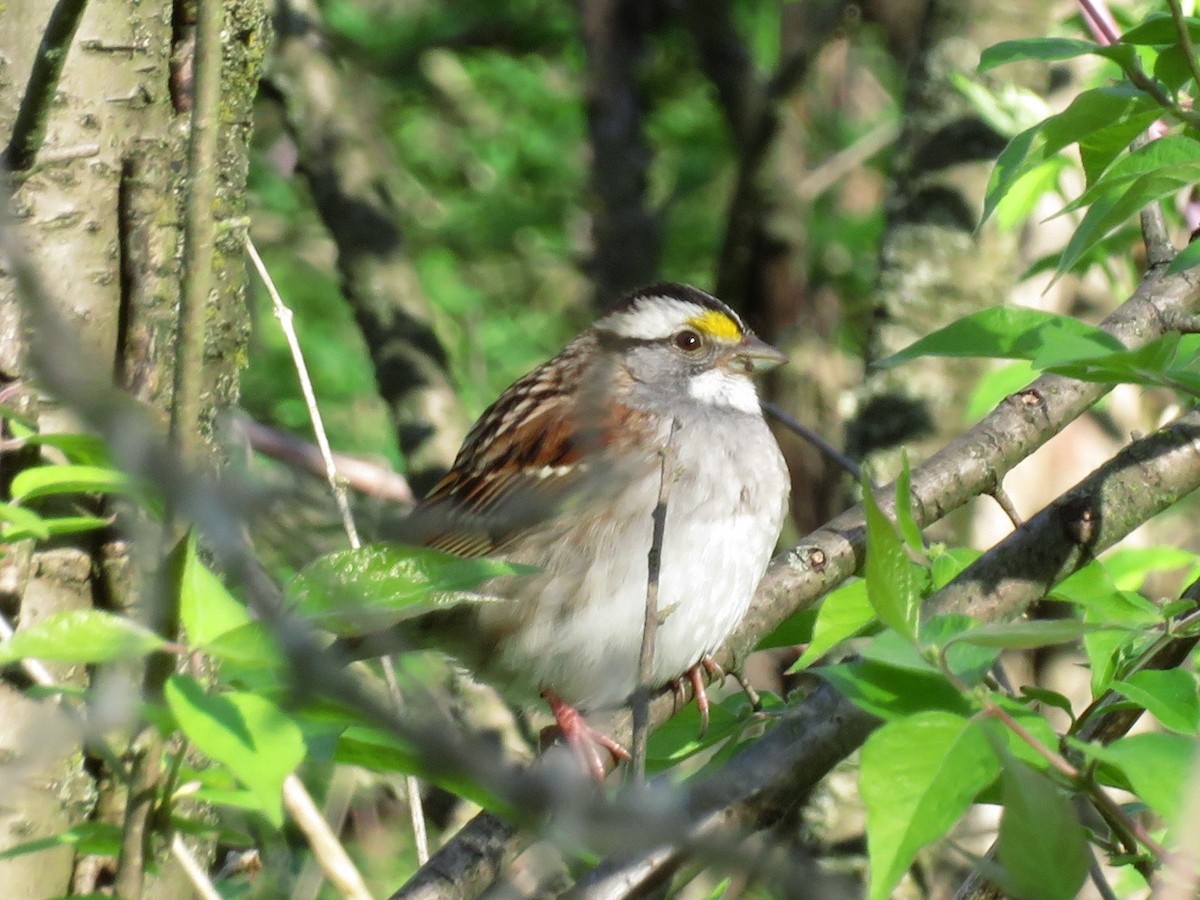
[
  {"x": 893, "y": 693},
  {"x": 904, "y": 514},
  {"x": 88, "y": 839},
  {"x": 246, "y": 732},
  {"x": 794, "y": 630},
  {"x": 994, "y": 386},
  {"x": 84, "y": 449},
  {"x": 946, "y": 564},
  {"x": 969, "y": 662},
  {"x": 353, "y": 592},
  {"x": 891, "y": 581},
  {"x": 206, "y": 609},
  {"x": 1187, "y": 258},
  {"x": 81, "y": 636},
  {"x": 1050, "y": 49},
  {"x": 1113, "y": 115},
  {"x": 44, "y": 481},
  {"x": 844, "y": 613},
  {"x": 1112, "y": 210},
  {"x": 1173, "y": 152},
  {"x": 1007, "y": 332},
  {"x": 1042, "y": 845},
  {"x": 1156, "y": 766},
  {"x": 918, "y": 776},
  {"x": 679, "y": 737},
  {"x": 1049, "y": 698},
  {"x": 1169, "y": 695},
  {"x": 1158, "y": 30},
  {"x": 21, "y": 523},
  {"x": 1028, "y": 634}
]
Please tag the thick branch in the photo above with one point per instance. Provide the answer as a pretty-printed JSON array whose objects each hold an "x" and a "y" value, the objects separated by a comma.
[{"x": 971, "y": 465}]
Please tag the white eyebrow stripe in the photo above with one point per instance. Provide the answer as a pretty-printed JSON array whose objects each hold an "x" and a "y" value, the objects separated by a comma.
[{"x": 652, "y": 319}]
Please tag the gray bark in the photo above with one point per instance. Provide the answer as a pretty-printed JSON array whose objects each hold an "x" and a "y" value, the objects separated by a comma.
[{"x": 97, "y": 206}]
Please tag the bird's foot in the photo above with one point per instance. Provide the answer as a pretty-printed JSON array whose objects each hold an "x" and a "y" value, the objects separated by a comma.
[
  {"x": 709, "y": 669},
  {"x": 582, "y": 738}
]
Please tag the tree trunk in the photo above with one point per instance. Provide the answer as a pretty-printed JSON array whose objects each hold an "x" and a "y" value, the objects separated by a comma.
[{"x": 100, "y": 114}]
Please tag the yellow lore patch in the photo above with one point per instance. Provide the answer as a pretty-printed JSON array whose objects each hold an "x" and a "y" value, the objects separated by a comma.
[{"x": 716, "y": 324}]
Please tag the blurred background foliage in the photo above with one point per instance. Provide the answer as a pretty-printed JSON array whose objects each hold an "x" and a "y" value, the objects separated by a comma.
[{"x": 483, "y": 108}]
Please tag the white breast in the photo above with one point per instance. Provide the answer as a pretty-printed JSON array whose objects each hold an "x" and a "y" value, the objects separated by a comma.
[{"x": 577, "y": 627}]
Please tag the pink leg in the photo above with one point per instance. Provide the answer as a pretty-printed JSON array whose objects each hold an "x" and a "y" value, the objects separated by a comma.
[{"x": 581, "y": 737}]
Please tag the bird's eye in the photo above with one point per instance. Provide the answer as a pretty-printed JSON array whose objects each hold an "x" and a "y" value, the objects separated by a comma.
[{"x": 687, "y": 340}]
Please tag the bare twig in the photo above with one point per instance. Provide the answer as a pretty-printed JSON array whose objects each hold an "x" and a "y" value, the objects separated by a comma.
[
  {"x": 831, "y": 452},
  {"x": 325, "y": 845},
  {"x": 1005, "y": 503},
  {"x": 285, "y": 317},
  {"x": 1185, "y": 39},
  {"x": 194, "y": 871},
  {"x": 361, "y": 475},
  {"x": 29, "y": 127},
  {"x": 641, "y": 696},
  {"x": 337, "y": 487}
]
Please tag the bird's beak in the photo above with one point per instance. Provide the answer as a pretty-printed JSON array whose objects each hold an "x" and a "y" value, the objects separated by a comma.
[{"x": 754, "y": 355}]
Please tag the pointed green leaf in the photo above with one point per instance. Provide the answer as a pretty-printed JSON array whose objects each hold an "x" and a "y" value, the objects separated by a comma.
[
  {"x": 1008, "y": 332},
  {"x": 1028, "y": 634},
  {"x": 843, "y": 613},
  {"x": 44, "y": 481},
  {"x": 1186, "y": 258},
  {"x": 81, "y": 636},
  {"x": 1169, "y": 695},
  {"x": 893, "y": 693},
  {"x": 918, "y": 776},
  {"x": 246, "y": 732},
  {"x": 1050, "y": 49},
  {"x": 891, "y": 581},
  {"x": 88, "y": 839},
  {"x": 21, "y": 523},
  {"x": 357, "y": 591},
  {"x": 1156, "y": 766},
  {"x": 206, "y": 609},
  {"x": 909, "y": 529},
  {"x": 1170, "y": 153},
  {"x": 1042, "y": 845}
]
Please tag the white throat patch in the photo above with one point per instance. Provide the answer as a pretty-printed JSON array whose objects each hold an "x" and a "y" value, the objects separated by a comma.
[{"x": 721, "y": 388}]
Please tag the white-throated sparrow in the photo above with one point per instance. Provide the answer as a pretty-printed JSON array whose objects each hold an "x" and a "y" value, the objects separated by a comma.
[{"x": 563, "y": 472}]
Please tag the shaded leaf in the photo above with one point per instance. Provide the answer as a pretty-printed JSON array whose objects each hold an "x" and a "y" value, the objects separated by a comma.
[
  {"x": 88, "y": 839},
  {"x": 1155, "y": 766},
  {"x": 246, "y": 732},
  {"x": 1042, "y": 845},
  {"x": 1029, "y": 634},
  {"x": 206, "y": 609},
  {"x": 1051, "y": 49}
]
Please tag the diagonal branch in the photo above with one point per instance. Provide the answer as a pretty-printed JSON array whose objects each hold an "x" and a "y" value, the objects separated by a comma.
[{"x": 971, "y": 465}]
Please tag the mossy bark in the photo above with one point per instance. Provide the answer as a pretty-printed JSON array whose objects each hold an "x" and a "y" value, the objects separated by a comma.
[{"x": 98, "y": 209}]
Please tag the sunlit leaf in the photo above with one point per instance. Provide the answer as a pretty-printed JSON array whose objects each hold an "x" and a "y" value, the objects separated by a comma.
[
  {"x": 81, "y": 636},
  {"x": 356, "y": 591},
  {"x": 1008, "y": 332},
  {"x": 918, "y": 776},
  {"x": 206, "y": 609},
  {"x": 843, "y": 613},
  {"x": 889, "y": 573},
  {"x": 246, "y": 732},
  {"x": 1169, "y": 695},
  {"x": 44, "y": 481}
]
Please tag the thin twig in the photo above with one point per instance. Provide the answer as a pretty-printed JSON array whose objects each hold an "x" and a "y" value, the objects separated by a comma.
[
  {"x": 1100, "y": 21},
  {"x": 412, "y": 787},
  {"x": 336, "y": 485},
  {"x": 361, "y": 475},
  {"x": 325, "y": 845},
  {"x": 1005, "y": 503},
  {"x": 194, "y": 871},
  {"x": 831, "y": 452},
  {"x": 1185, "y": 40},
  {"x": 645, "y": 687},
  {"x": 29, "y": 127},
  {"x": 1103, "y": 888},
  {"x": 285, "y": 317}
]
